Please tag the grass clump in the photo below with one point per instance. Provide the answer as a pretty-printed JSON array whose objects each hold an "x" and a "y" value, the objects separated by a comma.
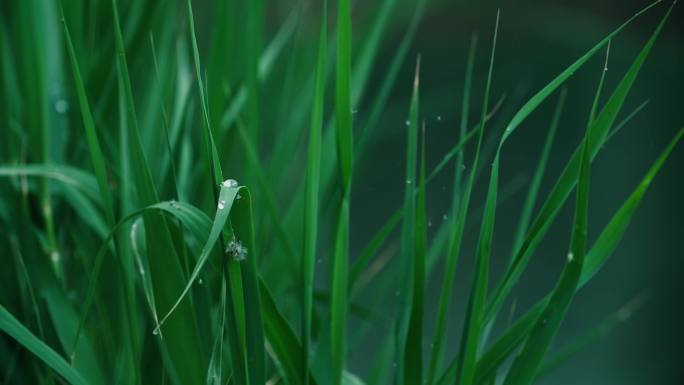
[{"x": 137, "y": 259}]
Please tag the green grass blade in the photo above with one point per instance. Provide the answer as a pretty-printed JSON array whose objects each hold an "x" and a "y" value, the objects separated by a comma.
[
  {"x": 413, "y": 367},
  {"x": 595, "y": 258},
  {"x": 96, "y": 156},
  {"x": 388, "y": 82},
  {"x": 243, "y": 232},
  {"x": 28, "y": 340},
  {"x": 408, "y": 234},
  {"x": 212, "y": 154},
  {"x": 533, "y": 191},
  {"x": 345, "y": 155},
  {"x": 312, "y": 192},
  {"x": 526, "y": 364},
  {"x": 228, "y": 192},
  {"x": 472, "y": 330},
  {"x": 568, "y": 178},
  {"x": 281, "y": 337},
  {"x": 438, "y": 340}
]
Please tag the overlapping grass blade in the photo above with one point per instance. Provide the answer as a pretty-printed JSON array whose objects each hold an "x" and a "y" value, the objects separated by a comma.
[
  {"x": 472, "y": 330},
  {"x": 533, "y": 191},
  {"x": 595, "y": 258},
  {"x": 525, "y": 366},
  {"x": 568, "y": 178},
  {"x": 181, "y": 337}
]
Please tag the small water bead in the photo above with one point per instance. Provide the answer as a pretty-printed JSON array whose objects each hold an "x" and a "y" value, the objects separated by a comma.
[
  {"x": 408, "y": 181},
  {"x": 570, "y": 257},
  {"x": 444, "y": 217},
  {"x": 230, "y": 183},
  {"x": 221, "y": 204},
  {"x": 200, "y": 281},
  {"x": 155, "y": 332},
  {"x": 61, "y": 106},
  {"x": 439, "y": 118},
  {"x": 408, "y": 123}
]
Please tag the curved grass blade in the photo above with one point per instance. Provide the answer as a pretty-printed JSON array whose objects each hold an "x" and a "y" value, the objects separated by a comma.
[
  {"x": 28, "y": 340},
  {"x": 312, "y": 192},
  {"x": 181, "y": 337},
  {"x": 227, "y": 195},
  {"x": 74, "y": 177}
]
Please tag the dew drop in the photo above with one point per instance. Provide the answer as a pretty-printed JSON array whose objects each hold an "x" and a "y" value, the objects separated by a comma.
[
  {"x": 61, "y": 106},
  {"x": 408, "y": 123},
  {"x": 439, "y": 118},
  {"x": 230, "y": 183},
  {"x": 221, "y": 205},
  {"x": 155, "y": 331},
  {"x": 200, "y": 281},
  {"x": 444, "y": 217},
  {"x": 570, "y": 257},
  {"x": 408, "y": 181}
]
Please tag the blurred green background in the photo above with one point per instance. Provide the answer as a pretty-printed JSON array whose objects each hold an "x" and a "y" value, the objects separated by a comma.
[{"x": 537, "y": 40}]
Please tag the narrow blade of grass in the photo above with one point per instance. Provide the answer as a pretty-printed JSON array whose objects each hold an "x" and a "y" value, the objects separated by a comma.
[
  {"x": 438, "y": 340},
  {"x": 28, "y": 340},
  {"x": 413, "y": 367},
  {"x": 472, "y": 330},
  {"x": 312, "y": 192},
  {"x": 408, "y": 236},
  {"x": 345, "y": 155},
  {"x": 533, "y": 191}
]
